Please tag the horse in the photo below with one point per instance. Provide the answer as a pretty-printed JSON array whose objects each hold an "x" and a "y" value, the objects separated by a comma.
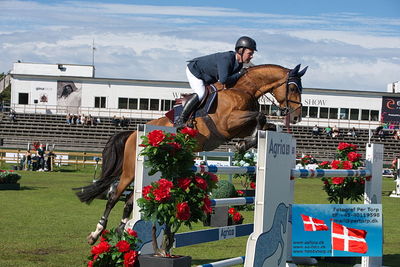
[{"x": 235, "y": 114}]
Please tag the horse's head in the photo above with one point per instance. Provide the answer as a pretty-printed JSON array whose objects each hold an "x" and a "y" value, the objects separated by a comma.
[{"x": 288, "y": 94}]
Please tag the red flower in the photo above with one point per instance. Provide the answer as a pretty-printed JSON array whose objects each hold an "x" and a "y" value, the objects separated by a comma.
[
  {"x": 183, "y": 211},
  {"x": 343, "y": 146},
  {"x": 335, "y": 164},
  {"x": 156, "y": 137},
  {"x": 338, "y": 180},
  {"x": 130, "y": 258},
  {"x": 100, "y": 248},
  {"x": 201, "y": 183},
  {"x": 326, "y": 182},
  {"x": 253, "y": 185},
  {"x": 147, "y": 190},
  {"x": 237, "y": 217},
  {"x": 164, "y": 183},
  {"x": 213, "y": 177},
  {"x": 232, "y": 211},
  {"x": 131, "y": 232},
  {"x": 207, "y": 205},
  {"x": 175, "y": 145},
  {"x": 123, "y": 246},
  {"x": 240, "y": 192},
  {"x": 347, "y": 165},
  {"x": 162, "y": 194},
  {"x": 324, "y": 163},
  {"x": 189, "y": 131},
  {"x": 90, "y": 264},
  {"x": 184, "y": 183},
  {"x": 353, "y": 156}
]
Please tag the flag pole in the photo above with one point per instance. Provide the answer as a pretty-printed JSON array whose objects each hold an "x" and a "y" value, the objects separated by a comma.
[{"x": 331, "y": 238}]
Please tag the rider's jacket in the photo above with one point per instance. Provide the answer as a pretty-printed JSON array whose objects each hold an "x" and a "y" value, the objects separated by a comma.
[{"x": 222, "y": 67}]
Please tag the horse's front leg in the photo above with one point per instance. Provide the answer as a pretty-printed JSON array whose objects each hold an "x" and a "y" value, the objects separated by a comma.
[
  {"x": 248, "y": 143},
  {"x": 128, "y": 208}
]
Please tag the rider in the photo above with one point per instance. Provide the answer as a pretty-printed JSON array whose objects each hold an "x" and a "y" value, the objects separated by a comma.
[{"x": 225, "y": 67}]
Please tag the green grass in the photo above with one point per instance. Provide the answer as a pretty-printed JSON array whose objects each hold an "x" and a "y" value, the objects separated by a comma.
[{"x": 44, "y": 224}]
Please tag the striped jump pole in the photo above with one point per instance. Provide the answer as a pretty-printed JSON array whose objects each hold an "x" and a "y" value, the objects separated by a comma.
[{"x": 224, "y": 263}]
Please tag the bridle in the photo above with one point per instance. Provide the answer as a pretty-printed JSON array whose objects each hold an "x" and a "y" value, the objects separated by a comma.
[{"x": 284, "y": 111}]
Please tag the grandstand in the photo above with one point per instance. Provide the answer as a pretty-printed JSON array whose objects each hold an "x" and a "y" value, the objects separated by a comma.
[{"x": 53, "y": 130}]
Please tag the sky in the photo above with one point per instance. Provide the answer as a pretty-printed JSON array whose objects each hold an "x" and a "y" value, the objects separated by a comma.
[{"x": 347, "y": 44}]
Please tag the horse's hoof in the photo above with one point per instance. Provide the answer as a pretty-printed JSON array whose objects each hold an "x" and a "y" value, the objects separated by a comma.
[{"x": 90, "y": 239}]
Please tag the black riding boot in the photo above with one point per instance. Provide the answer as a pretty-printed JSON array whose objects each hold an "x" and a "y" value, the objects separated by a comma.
[{"x": 187, "y": 109}]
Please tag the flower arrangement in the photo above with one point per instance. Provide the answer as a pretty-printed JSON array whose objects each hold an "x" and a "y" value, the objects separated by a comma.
[
  {"x": 115, "y": 249},
  {"x": 341, "y": 188},
  {"x": 245, "y": 159},
  {"x": 235, "y": 217},
  {"x": 9, "y": 177},
  {"x": 181, "y": 196},
  {"x": 307, "y": 159}
]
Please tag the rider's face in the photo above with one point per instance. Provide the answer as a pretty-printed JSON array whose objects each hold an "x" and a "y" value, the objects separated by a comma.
[{"x": 246, "y": 56}]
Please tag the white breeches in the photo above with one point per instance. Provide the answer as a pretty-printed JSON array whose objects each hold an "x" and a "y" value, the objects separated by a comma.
[{"x": 196, "y": 84}]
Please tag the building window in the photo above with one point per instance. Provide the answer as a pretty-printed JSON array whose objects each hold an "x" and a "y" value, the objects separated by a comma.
[
  {"x": 154, "y": 104},
  {"x": 313, "y": 112},
  {"x": 122, "y": 103},
  {"x": 275, "y": 111},
  {"x": 365, "y": 114},
  {"x": 374, "y": 115},
  {"x": 144, "y": 104},
  {"x": 344, "y": 113},
  {"x": 100, "y": 102},
  {"x": 132, "y": 103},
  {"x": 23, "y": 98},
  {"x": 354, "y": 114},
  {"x": 323, "y": 113},
  {"x": 333, "y": 113},
  {"x": 166, "y": 104},
  {"x": 304, "y": 112},
  {"x": 265, "y": 109}
]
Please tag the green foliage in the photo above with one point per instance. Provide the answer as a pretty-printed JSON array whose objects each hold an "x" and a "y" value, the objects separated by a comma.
[
  {"x": 224, "y": 189},
  {"x": 245, "y": 159},
  {"x": 9, "y": 177}
]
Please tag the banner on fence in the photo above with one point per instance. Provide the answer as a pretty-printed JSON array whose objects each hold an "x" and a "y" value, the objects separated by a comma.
[{"x": 337, "y": 230}]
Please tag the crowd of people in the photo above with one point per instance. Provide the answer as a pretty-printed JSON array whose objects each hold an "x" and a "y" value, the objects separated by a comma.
[
  {"x": 332, "y": 131},
  {"x": 37, "y": 159},
  {"x": 388, "y": 130},
  {"x": 82, "y": 119},
  {"x": 120, "y": 122}
]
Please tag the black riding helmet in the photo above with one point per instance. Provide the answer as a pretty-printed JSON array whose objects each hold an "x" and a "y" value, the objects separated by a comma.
[{"x": 245, "y": 42}]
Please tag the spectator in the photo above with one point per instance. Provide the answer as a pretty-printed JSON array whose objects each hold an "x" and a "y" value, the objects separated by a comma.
[
  {"x": 41, "y": 152},
  {"x": 381, "y": 134},
  {"x": 328, "y": 131},
  {"x": 68, "y": 119},
  {"x": 396, "y": 135},
  {"x": 50, "y": 161},
  {"x": 98, "y": 121},
  {"x": 352, "y": 132},
  {"x": 335, "y": 131},
  {"x": 315, "y": 130},
  {"x": 13, "y": 116},
  {"x": 115, "y": 121},
  {"x": 124, "y": 122},
  {"x": 28, "y": 160}
]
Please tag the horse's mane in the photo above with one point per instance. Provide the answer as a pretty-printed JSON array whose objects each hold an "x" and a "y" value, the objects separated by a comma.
[{"x": 266, "y": 66}]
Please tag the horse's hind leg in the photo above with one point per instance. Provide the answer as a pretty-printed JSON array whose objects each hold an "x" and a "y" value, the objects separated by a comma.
[
  {"x": 126, "y": 178},
  {"x": 126, "y": 213}
]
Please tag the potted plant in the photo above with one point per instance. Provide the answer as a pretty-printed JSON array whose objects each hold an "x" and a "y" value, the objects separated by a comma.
[
  {"x": 180, "y": 197},
  {"x": 9, "y": 179},
  {"x": 115, "y": 249}
]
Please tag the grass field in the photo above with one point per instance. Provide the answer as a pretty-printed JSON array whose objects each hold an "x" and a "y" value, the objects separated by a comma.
[{"x": 44, "y": 224}]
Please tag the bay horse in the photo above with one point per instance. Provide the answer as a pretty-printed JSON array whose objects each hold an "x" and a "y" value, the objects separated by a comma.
[{"x": 235, "y": 114}]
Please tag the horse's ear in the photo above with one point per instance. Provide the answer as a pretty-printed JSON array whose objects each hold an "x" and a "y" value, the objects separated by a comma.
[
  {"x": 301, "y": 73},
  {"x": 295, "y": 70}
]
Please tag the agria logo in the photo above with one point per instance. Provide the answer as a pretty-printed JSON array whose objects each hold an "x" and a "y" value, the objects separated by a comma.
[{"x": 278, "y": 148}]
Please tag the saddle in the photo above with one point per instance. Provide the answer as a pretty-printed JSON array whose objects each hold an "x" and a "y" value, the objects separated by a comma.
[{"x": 201, "y": 110}]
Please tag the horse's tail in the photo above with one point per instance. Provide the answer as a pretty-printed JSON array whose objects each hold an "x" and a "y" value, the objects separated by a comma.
[{"x": 113, "y": 154}]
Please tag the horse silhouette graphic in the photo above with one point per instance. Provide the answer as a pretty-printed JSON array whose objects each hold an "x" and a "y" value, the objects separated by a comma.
[
  {"x": 143, "y": 229},
  {"x": 268, "y": 242}
]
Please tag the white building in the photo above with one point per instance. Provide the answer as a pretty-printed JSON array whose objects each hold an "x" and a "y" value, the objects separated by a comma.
[{"x": 66, "y": 88}]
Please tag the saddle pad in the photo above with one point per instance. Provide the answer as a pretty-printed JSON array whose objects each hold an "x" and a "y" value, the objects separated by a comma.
[{"x": 176, "y": 111}]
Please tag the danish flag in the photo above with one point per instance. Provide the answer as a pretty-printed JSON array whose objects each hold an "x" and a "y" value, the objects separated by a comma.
[
  {"x": 313, "y": 224},
  {"x": 348, "y": 239}
]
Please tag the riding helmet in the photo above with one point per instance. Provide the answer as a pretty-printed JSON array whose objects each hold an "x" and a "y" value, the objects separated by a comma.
[{"x": 246, "y": 42}]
